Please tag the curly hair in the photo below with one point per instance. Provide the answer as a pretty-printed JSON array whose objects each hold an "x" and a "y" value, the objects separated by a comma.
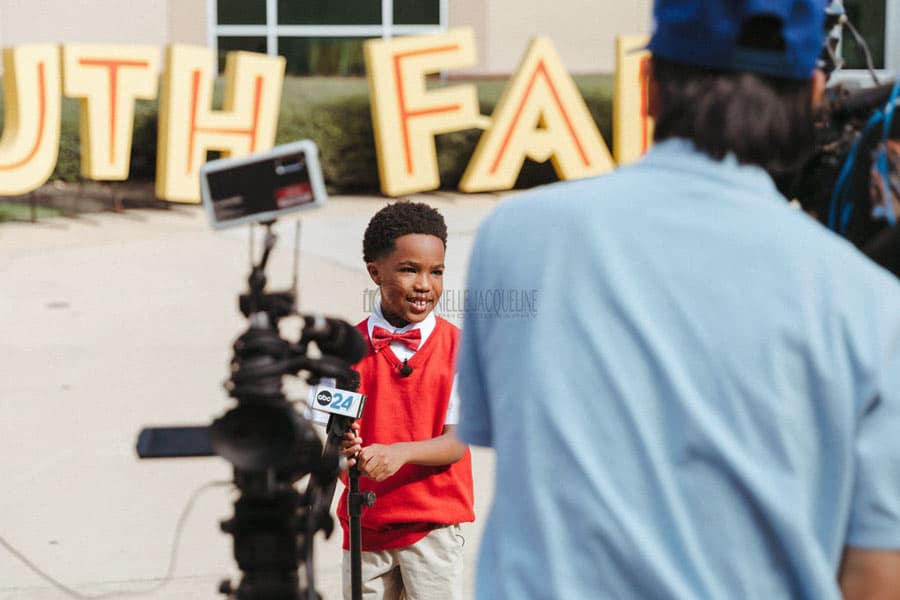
[{"x": 399, "y": 219}]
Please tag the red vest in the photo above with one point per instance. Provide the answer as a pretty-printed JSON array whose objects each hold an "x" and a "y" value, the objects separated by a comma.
[{"x": 415, "y": 499}]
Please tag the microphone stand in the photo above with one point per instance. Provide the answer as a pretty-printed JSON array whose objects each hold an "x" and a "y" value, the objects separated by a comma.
[
  {"x": 355, "y": 501},
  {"x": 337, "y": 426}
]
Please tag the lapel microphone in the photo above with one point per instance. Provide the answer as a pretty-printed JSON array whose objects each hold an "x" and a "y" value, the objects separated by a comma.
[{"x": 405, "y": 369}]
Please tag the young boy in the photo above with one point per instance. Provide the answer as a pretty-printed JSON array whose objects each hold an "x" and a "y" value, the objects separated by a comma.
[{"x": 403, "y": 444}]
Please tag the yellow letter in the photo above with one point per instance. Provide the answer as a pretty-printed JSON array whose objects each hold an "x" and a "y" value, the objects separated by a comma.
[
  {"x": 108, "y": 79},
  {"x": 406, "y": 115},
  {"x": 188, "y": 127},
  {"x": 30, "y": 142},
  {"x": 540, "y": 115},
  {"x": 632, "y": 125}
]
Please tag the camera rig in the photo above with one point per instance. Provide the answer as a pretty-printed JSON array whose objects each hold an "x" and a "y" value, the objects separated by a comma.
[
  {"x": 270, "y": 445},
  {"x": 851, "y": 182}
]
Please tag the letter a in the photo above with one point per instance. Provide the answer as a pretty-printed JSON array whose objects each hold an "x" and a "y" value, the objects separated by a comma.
[
  {"x": 188, "y": 127},
  {"x": 541, "y": 115},
  {"x": 31, "y": 95}
]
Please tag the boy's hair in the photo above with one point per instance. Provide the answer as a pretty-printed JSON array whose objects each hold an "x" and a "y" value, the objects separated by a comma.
[
  {"x": 399, "y": 219},
  {"x": 763, "y": 120}
]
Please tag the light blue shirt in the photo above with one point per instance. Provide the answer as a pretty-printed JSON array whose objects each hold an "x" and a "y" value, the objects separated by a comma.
[{"x": 704, "y": 404}]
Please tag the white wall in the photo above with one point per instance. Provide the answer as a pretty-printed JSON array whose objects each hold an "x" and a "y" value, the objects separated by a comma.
[
  {"x": 153, "y": 22},
  {"x": 106, "y": 21},
  {"x": 186, "y": 22},
  {"x": 583, "y": 31}
]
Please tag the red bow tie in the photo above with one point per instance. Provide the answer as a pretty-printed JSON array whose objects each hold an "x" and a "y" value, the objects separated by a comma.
[{"x": 381, "y": 337}]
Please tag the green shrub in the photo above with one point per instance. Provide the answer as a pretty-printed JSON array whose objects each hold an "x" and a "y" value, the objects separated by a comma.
[
  {"x": 335, "y": 113},
  {"x": 143, "y": 141},
  {"x": 18, "y": 211},
  {"x": 342, "y": 129},
  {"x": 68, "y": 163}
]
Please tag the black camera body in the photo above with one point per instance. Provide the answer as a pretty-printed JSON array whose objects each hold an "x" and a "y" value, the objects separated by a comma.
[
  {"x": 836, "y": 183},
  {"x": 840, "y": 168}
]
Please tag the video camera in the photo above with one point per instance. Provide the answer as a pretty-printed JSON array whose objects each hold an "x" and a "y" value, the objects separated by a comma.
[
  {"x": 852, "y": 181},
  {"x": 269, "y": 444}
]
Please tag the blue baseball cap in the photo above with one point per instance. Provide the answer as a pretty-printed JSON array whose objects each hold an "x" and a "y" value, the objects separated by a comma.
[{"x": 706, "y": 33}]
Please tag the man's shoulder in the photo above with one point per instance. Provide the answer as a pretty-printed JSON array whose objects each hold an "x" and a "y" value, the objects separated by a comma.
[
  {"x": 837, "y": 255},
  {"x": 562, "y": 206},
  {"x": 568, "y": 195},
  {"x": 567, "y": 191}
]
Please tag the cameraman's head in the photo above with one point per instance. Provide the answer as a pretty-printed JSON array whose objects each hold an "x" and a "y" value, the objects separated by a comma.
[{"x": 738, "y": 76}]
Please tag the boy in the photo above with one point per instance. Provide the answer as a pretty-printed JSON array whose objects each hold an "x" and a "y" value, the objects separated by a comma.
[{"x": 403, "y": 444}]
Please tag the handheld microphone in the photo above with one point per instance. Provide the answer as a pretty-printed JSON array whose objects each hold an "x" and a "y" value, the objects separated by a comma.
[
  {"x": 335, "y": 337},
  {"x": 405, "y": 369}
]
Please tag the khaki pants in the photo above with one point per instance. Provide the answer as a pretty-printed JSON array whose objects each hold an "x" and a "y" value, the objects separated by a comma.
[{"x": 430, "y": 569}]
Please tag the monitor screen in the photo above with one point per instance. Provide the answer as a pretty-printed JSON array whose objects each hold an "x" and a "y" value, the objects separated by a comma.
[{"x": 262, "y": 186}]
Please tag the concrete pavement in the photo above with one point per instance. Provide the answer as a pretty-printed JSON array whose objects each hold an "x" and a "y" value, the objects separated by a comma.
[{"x": 111, "y": 322}]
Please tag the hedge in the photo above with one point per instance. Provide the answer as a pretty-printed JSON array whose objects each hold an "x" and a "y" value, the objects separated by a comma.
[{"x": 334, "y": 112}]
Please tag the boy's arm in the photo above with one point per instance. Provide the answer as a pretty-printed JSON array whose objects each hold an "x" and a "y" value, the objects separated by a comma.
[{"x": 380, "y": 461}]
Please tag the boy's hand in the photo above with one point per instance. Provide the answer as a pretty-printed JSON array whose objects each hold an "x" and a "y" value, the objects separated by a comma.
[
  {"x": 380, "y": 461},
  {"x": 351, "y": 444}
]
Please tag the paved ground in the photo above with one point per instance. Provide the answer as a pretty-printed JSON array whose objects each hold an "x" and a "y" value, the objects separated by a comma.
[{"x": 115, "y": 321}]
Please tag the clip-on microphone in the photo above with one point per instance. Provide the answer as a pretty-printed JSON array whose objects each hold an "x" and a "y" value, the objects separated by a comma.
[{"x": 405, "y": 369}]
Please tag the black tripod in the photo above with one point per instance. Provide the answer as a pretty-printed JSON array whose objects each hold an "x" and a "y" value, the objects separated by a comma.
[
  {"x": 337, "y": 427},
  {"x": 270, "y": 445},
  {"x": 355, "y": 501}
]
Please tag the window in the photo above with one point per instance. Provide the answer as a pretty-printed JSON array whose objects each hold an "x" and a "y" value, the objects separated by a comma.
[
  {"x": 878, "y": 23},
  {"x": 245, "y": 12},
  {"x": 329, "y": 12},
  {"x": 230, "y": 44},
  {"x": 323, "y": 56},
  {"x": 414, "y": 12},
  {"x": 318, "y": 37},
  {"x": 869, "y": 18}
]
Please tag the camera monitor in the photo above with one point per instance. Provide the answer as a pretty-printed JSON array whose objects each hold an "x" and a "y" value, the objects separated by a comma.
[{"x": 262, "y": 186}]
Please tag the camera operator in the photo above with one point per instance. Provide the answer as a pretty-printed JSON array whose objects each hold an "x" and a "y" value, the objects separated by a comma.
[{"x": 706, "y": 402}]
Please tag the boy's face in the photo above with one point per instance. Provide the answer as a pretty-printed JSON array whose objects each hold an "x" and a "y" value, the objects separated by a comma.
[{"x": 411, "y": 278}]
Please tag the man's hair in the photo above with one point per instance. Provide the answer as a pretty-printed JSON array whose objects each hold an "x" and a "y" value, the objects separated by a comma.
[
  {"x": 762, "y": 120},
  {"x": 399, "y": 219}
]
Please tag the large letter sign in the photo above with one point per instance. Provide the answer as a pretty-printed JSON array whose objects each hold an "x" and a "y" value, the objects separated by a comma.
[
  {"x": 540, "y": 115},
  {"x": 406, "y": 115},
  {"x": 189, "y": 128},
  {"x": 632, "y": 125},
  {"x": 108, "y": 79},
  {"x": 31, "y": 96}
]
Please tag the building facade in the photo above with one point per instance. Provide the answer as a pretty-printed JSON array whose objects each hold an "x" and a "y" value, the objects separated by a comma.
[{"x": 324, "y": 37}]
